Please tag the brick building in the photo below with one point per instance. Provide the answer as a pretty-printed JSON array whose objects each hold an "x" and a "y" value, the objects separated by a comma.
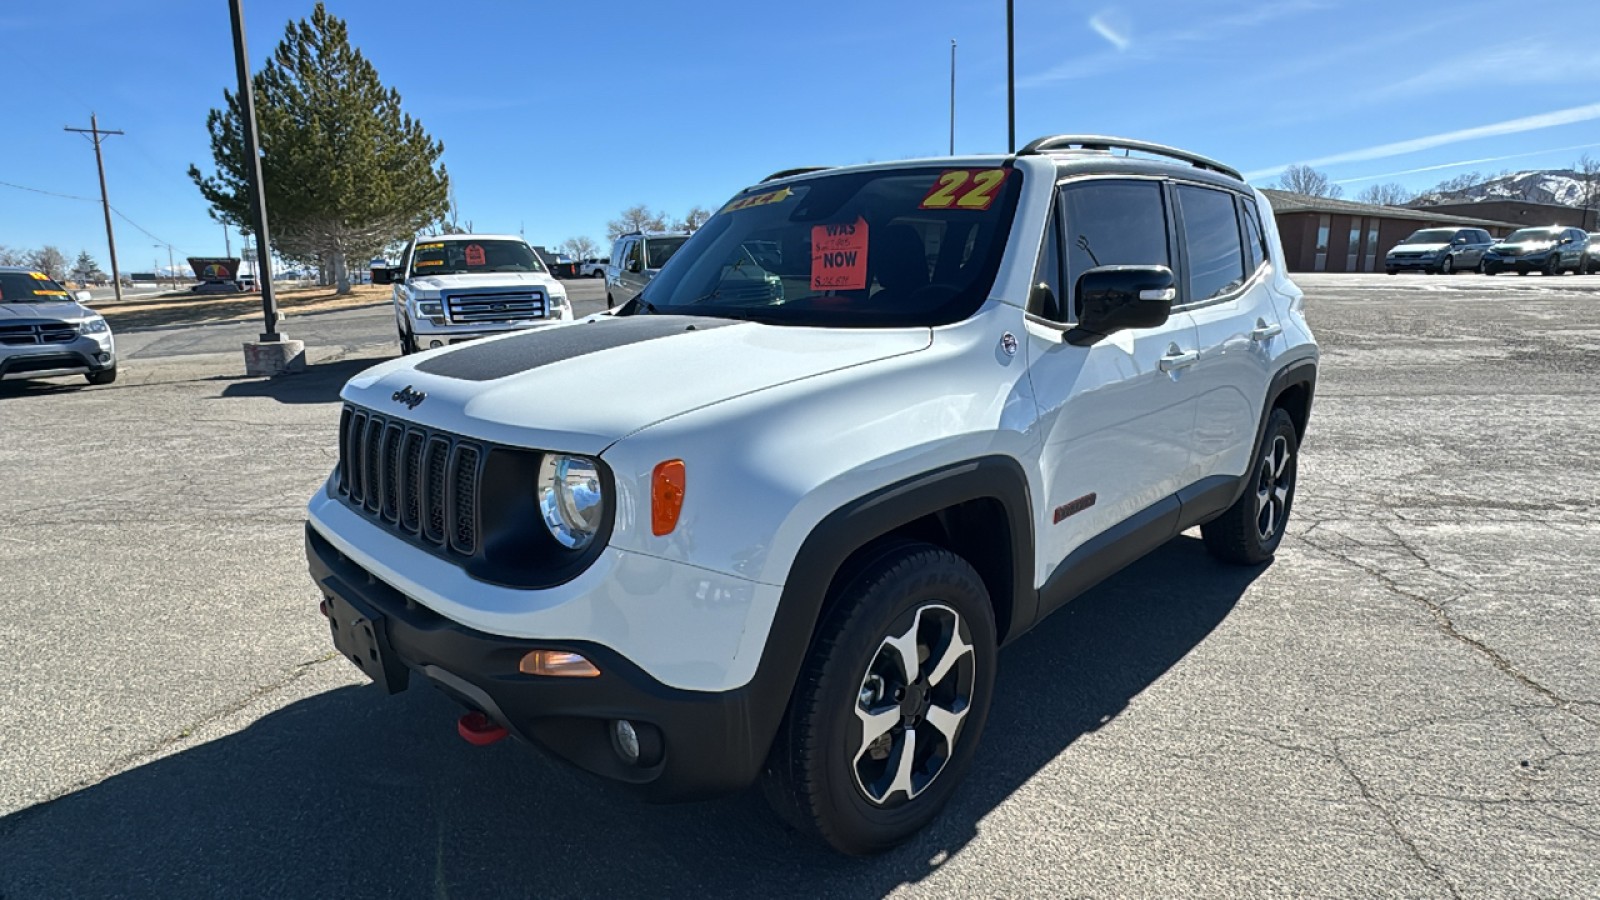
[{"x": 1323, "y": 235}]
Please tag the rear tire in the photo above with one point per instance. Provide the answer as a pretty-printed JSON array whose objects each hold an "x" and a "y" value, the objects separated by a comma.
[
  {"x": 1251, "y": 530},
  {"x": 890, "y": 703},
  {"x": 104, "y": 376}
]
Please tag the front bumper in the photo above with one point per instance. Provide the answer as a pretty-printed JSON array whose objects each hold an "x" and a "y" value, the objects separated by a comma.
[
  {"x": 710, "y": 742},
  {"x": 78, "y": 357},
  {"x": 427, "y": 335},
  {"x": 1406, "y": 264},
  {"x": 1526, "y": 263}
]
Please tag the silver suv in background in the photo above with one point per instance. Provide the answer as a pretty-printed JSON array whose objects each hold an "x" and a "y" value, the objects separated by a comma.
[
  {"x": 635, "y": 259},
  {"x": 1443, "y": 251},
  {"x": 46, "y": 331}
]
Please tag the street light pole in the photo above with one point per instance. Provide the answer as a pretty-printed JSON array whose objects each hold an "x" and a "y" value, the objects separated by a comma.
[
  {"x": 258, "y": 200},
  {"x": 1011, "y": 78},
  {"x": 952, "y": 97}
]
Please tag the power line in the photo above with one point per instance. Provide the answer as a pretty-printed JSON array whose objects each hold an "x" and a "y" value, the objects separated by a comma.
[{"x": 23, "y": 187}]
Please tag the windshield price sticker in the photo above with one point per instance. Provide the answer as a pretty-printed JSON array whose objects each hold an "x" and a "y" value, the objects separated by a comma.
[
  {"x": 965, "y": 189},
  {"x": 758, "y": 200},
  {"x": 427, "y": 262},
  {"x": 39, "y": 276},
  {"x": 474, "y": 254},
  {"x": 45, "y": 293},
  {"x": 839, "y": 256}
]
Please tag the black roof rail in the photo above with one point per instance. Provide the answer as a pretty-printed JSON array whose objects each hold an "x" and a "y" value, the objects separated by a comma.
[
  {"x": 789, "y": 173},
  {"x": 1103, "y": 142}
]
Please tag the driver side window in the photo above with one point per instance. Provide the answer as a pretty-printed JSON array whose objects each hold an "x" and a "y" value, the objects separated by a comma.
[{"x": 1112, "y": 223}]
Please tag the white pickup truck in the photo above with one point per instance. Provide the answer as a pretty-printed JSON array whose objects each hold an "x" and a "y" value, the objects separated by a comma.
[{"x": 452, "y": 288}]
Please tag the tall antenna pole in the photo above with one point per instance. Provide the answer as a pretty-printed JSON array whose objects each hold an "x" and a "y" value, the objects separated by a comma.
[
  {"x": 258, "y": 201},
  {"x": 952, "y": 97},
  {"x": 1011, "y": 78},
  {"x": 105, "y": 204}
]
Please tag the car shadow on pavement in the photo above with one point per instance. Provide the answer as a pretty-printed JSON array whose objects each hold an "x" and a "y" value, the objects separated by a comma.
[
  {"x": 319, "y": 383},
  {"x": 352, "y": 794}
]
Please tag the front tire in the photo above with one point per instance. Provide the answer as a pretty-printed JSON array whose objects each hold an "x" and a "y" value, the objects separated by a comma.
[
  {"x": 1251, "y": 530},
  {"x": 890, "y": 703},
  {"x": 1553, "y": 267},
  {"x": 408, "y": 341},
  {"x": 104, "y": 376},
  {"x": 1448, "y": 267}
]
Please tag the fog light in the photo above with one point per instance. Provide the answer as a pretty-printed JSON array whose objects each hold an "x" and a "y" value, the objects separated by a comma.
[
  {"x": 434, "y": 345},
  {"x": 103, "y": 357},
  {"x": 557, "y": 663},
  {"x": 625, "y": 740}
]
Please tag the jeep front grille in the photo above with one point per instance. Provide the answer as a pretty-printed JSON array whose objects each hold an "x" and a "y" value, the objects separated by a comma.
[
  {"x": 413, "y": 480},
  {"x": 495, "y": 307}
]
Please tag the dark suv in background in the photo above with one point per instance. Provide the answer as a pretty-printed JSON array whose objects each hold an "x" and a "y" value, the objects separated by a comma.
[
  {"x": 1439, "y": 250},
  {"x": 1551, "y": 250}
]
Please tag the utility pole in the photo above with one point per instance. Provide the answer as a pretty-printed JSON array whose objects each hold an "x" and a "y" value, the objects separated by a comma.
[
  {"x": 1011, "y": 78},
  {"x": 952, "y": 97},
  {"x": 172, "y": 269},
  {"x": 227, "y": 242},
  {"x": 105, "y": 204}
]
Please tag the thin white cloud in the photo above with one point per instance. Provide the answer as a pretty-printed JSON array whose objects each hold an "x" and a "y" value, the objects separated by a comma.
[
  {"x": 1461, "y": 164},
  {"x": 1527, "y": 62},
  {"x": 1161, "y": 45},
  {"x": 1553, "y": 119},
  {"x": 1113, "y": 25}
]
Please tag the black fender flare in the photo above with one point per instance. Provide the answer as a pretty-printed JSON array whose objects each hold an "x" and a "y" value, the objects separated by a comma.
[
  {"x": 849, "y": 528},
  {"x": 1300, "y": 373}
]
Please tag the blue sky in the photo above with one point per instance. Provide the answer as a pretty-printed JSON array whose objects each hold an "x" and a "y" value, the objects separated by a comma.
[{"x": 554, "y": 117}]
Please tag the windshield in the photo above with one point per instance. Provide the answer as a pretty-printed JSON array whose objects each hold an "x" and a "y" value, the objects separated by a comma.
[
  {"x": 31, "y": 287},
  {"x": 1431, "y": 236},
  {"x": 881, "y": 248},
  {"x": 457, "y": 257},
  {"x": 1533, "y": 234},
  {"x": 660, "y": 249}
]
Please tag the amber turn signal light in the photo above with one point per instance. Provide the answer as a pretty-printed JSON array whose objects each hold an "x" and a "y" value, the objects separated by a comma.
[
  {"x": 666, "y": 496},
  {"x": 557, "y": 664}
]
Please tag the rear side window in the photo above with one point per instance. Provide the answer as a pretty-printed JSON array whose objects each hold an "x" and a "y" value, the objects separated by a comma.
[
  {"x": 1255, "y": 243},
  {"x": 1211, "y": 233},
  {"x": 1114, "y": 223}
]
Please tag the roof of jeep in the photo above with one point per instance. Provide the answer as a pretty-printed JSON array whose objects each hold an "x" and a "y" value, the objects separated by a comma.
[{"x": 1069, "y": 162}]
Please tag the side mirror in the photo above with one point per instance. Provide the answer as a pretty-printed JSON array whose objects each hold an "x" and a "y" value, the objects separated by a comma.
[
  {"x": 382, "y": 276},
  {"x": 1113, "y": 298},
  {"x": 1459, "y": 240},
  {"x": 633, "y": 266},
  {"x": 83, "y": 297}
]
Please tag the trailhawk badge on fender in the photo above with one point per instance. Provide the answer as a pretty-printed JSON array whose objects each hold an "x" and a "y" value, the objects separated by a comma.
[{"x": 409, "y": 397}]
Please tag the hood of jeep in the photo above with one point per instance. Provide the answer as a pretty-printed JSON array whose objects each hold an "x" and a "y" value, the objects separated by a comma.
[
  {"x": 580, "y": 387},
  {"x": 472, "y": 280}
]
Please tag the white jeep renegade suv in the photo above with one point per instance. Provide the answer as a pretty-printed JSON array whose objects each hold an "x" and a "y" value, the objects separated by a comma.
[{"x": 791, "y": 551}]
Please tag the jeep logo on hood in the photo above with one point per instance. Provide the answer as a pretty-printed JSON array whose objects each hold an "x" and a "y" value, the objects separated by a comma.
[{"x": 409, "y": 397}]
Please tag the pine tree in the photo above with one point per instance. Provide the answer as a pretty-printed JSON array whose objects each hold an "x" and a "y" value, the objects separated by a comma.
[
  {"x": 345, "y": 171},
  {"x": 85, "y": 267}
]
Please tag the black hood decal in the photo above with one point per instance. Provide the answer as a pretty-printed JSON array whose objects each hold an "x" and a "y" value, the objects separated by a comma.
[{"x": 487, "y": 361}]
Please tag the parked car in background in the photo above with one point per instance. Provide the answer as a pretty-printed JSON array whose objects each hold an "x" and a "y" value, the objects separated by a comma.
[
  {"x": 452, "y": 288},
  {"x": 1442, "y": 251},
  {"x": 46, "y": 331},
  {"x": 593, "y": 267},
  {"x": 1551, "y": 249},
  {"x": 1591, "y": 256},
  {"x": 636, "y": 258}
]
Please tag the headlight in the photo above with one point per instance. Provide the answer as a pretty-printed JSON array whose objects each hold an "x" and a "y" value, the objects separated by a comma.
[
  {"x": 432, "y": 309},
  {"x": 559, "y": 302},
  {"x": 571, "y": 499},
  {"x": 96, "y": 325}
]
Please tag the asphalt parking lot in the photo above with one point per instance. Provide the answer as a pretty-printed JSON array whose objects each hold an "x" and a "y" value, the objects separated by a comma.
[{"x": 1406, "y": 702}]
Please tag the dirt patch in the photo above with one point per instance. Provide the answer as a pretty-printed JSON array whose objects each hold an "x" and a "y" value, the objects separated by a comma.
[{"x": 194, "y": 309}]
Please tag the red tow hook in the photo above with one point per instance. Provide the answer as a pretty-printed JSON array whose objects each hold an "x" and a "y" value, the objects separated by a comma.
[{"x": 476, "y": 729}]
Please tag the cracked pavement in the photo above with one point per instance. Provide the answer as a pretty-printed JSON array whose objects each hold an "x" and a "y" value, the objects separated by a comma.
[{"x": 1406, "y": 702}]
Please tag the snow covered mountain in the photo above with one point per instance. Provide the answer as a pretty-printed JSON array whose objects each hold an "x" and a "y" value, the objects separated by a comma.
[{"x": 1563, "y": 186}]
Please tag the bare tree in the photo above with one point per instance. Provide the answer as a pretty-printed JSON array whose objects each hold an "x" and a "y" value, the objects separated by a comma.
[
  {"x": 50, "y": 261},
  {"x": 695, "y": 217},
  {"x": 10, "y": 257},
  {"x": 1453, "y": 188},
  {"x": 580, "y": 247},
  {"x": 1308, "y": 181},
  {"x": 635, "y": 218},
  {"x": 1588, "y": 171},
  {"x": 1390, "y": 194}
]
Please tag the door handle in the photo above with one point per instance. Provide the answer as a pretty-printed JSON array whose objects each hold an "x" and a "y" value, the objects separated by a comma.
[
  {"x": 1265, "y": 332},
  {"x": 1179, "y": 360}
]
